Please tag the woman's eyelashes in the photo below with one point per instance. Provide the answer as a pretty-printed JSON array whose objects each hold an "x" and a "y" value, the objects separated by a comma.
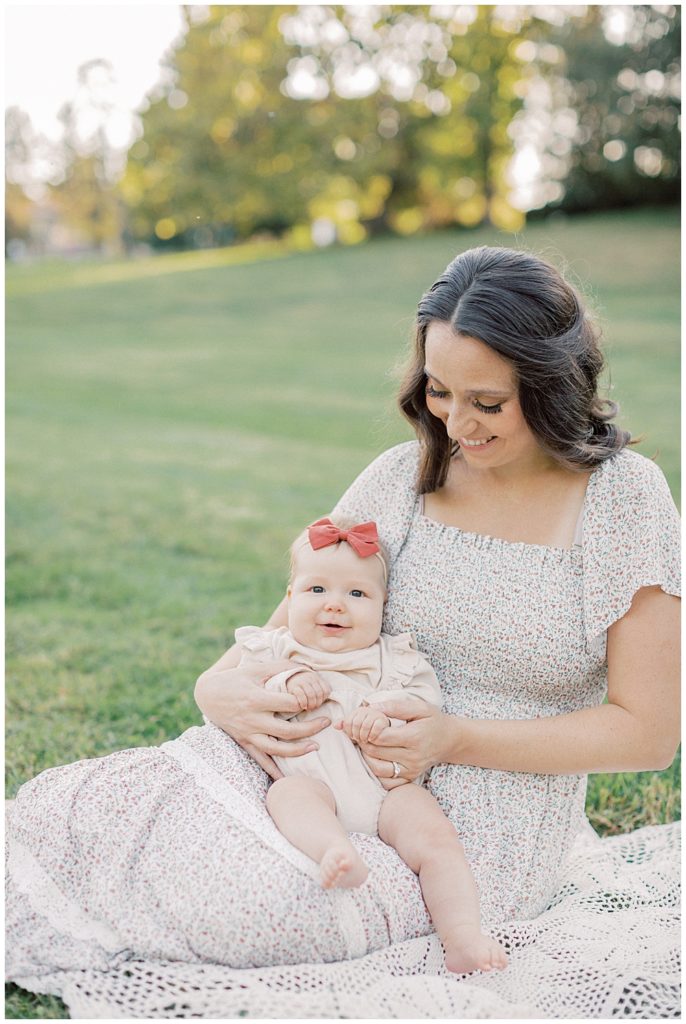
[
  {"x": 487, "y": 408},
  {"x": 433, "y": 392}
]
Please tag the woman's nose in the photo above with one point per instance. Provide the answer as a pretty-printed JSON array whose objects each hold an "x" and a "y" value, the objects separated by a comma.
[{"x": 459, "y": 421}]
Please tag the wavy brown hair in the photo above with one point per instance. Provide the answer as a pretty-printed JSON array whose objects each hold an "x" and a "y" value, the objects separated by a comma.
[{"x": 523, "y": 309}]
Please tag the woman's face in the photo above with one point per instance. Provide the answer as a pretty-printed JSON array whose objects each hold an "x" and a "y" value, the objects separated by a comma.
[{"x": 473, "y": 391}]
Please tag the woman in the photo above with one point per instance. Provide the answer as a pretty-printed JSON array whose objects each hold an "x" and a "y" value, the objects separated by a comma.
[{"x": 534, "y": 557}]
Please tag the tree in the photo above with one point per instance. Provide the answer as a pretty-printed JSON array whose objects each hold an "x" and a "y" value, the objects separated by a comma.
[
  {"x": 223, "y": 149},
  {"x": 428, "y": 94},
  {"x": 86, "y": 195},
  {"x": 618, "y": 88},
  {"x": 401, "y": 117},
  {"x": 19, "y": 143},
  {"x": 275, "y": 116}
]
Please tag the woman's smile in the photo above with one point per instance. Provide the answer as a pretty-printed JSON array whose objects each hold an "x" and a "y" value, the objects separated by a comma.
[
  {"x": 472, "y": 389},
  {"x": 478, "y": 443}
]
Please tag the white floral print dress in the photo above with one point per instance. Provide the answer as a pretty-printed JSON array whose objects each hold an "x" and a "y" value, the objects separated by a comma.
[{"x": 131, "y": 873}]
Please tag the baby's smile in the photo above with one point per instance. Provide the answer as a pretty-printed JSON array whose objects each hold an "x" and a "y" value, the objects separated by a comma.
[{"x": 336, "y": 599}]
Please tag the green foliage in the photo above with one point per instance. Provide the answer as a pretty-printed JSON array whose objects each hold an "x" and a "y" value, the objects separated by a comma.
[
  {"x": 400, "y": 118},
  {"x": 21, "y": 1005},
  {"x": 222, "y": 141},
  {"x": 172, "y": 424},
  {"x": 626, "y": 146},
  {"x": 239, "y": 148}
]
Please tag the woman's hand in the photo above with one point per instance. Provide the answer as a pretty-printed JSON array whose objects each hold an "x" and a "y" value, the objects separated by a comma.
[
  {"x": 415, "y": 746},
  {"x": 235, "y": 700}
]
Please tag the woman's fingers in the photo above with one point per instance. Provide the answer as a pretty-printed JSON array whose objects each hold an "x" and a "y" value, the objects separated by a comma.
[
  {"x": 285, "y": 730},
  {"x": 407, "y": 708},
  {"x": 277, "y": 702},
  {"x": 264, "y": 761},
  {"x": 393, "y": 783},
  {"x": 386, "y": 753},
  {"x": 384, "y": 769},
  {"x": 286, "y": 748},
  {"x": 383, "y": 766}
]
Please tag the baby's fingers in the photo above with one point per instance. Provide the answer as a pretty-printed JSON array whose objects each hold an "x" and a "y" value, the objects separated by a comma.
[
  {"x": 301, "y": 694},
  {"x": 377, "y": 728},
  {"x": 318, "y": 694},
  {"x": 357, "y": 722},
  {"x": 369, "y": 725}
]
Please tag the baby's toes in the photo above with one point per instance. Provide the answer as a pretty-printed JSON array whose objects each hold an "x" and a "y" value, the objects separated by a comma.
[{"x": 498, "y": 956}]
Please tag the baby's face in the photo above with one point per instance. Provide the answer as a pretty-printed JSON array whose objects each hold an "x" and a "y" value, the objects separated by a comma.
[{"x": 336, "y": 598}]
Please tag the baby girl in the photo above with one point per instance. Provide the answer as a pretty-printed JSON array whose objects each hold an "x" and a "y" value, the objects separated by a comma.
[{"x": 346, "y": 666}]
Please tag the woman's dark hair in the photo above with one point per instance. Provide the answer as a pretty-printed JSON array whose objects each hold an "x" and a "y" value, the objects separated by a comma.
[{"x": 523, "y": 309}]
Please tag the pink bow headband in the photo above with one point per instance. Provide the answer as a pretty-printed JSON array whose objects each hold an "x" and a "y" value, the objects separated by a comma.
[{"x": 363, "y": 538}]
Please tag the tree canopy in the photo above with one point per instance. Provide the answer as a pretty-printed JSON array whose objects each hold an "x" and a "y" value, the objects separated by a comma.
[{"x": 354, "y": 120}]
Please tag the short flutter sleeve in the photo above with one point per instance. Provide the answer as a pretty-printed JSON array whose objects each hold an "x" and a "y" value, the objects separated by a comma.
[
  {"x": 385, "y": 492},
  {"x": 408, "y": 669},
  {"x": 257, "y": 642},
  {"x": 631, "y": 539}
]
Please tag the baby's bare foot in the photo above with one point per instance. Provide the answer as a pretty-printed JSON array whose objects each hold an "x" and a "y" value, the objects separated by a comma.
[
  {"x": 342, "y": 867},
  {"x": 470, "y": 950}
]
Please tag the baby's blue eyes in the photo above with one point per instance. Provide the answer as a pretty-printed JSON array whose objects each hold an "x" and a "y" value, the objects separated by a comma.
[{"x": 317, "y": 589}]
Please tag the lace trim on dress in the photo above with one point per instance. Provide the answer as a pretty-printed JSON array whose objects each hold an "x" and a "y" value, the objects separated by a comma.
[
  {"x": 47, "y": 899},
  {"x": 604, "y": 949},
  {"x": 261, "y": 825}
]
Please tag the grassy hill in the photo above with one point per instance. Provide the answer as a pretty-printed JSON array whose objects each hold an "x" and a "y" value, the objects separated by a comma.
[{"x": 172, "y": 422}]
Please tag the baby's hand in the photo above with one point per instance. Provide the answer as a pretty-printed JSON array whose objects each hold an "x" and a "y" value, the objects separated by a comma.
[
  {"x": 366, "y": 724},
  {"x": 309, "y": 689}
]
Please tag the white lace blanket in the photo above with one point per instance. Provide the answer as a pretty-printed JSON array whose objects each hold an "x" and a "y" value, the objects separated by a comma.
[{"x": 608, "y": 946}]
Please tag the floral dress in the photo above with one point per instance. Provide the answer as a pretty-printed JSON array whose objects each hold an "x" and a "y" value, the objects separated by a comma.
[{"x": 153, "y": 878}]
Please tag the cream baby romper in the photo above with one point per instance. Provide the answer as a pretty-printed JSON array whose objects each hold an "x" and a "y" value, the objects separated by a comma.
[{"x": 392, "y": 663}]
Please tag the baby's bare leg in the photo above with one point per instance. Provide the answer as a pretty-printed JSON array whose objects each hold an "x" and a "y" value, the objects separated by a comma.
[
  {"x": 413, "y": 823},
  {"x": 304, "y": 811}
]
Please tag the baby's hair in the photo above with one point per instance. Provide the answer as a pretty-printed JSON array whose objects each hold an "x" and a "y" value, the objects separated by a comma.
[{"x": 343, "y": 523}]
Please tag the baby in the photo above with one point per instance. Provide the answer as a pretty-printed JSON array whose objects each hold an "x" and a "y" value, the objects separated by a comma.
[{"x": 345, "y": 666}]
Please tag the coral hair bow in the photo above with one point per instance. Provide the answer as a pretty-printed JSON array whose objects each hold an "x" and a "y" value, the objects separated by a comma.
[{"x": 363, "y": 538}]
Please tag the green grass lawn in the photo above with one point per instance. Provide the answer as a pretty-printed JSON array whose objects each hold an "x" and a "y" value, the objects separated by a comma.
[{"x": 171, "y": 424}]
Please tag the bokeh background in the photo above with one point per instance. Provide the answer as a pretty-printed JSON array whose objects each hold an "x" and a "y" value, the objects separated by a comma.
[
  {"x": 315, "y": 124},
  {"x": 209, "y": 298}
]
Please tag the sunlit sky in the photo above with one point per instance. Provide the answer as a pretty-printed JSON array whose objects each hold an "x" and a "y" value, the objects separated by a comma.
[{"x": 45, "y": 45}]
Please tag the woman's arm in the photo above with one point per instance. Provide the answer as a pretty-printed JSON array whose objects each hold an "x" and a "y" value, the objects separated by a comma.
[
  {"x": 235, "y": 700},
  {"x": 637, "y": 730}
]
